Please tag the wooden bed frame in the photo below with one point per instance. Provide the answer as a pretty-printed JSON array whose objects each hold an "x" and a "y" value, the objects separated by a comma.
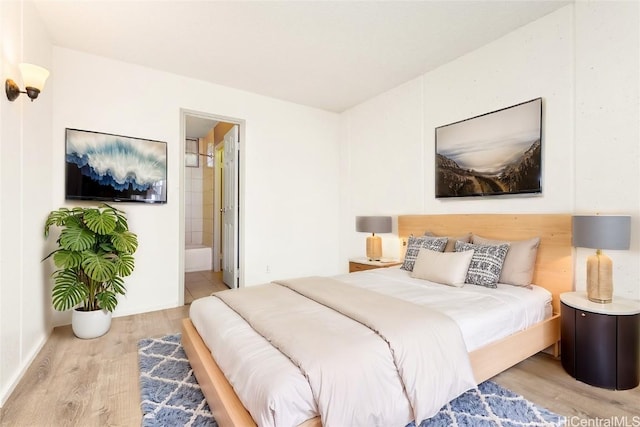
[{"x": 553, "y": 271}]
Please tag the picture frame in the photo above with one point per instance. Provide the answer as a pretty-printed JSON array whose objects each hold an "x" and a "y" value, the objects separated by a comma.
[
  {"x": 497, "y": 153},
  {"x": 114, "y": 168},
  {"x": 191, "y": 158}
]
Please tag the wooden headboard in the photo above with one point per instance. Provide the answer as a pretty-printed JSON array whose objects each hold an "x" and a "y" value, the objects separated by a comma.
[{"x": 554, "y": 264}]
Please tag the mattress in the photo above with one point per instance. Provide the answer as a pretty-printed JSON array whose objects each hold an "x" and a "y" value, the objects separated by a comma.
[{"x": 276, "y": 393}]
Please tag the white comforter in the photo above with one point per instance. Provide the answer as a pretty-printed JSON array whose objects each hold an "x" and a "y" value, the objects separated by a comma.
[
  {"x": 360, "y": 372},
  {"x": 274, "y": 390},
  {"x": 483, "y": 314}
]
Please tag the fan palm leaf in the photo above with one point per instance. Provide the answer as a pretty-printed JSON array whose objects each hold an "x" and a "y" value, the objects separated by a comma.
[
  {"x": 124, "y": 265},
  {"x": 107, "y": 300},
  {"x": 55, "y": 218},
  {"x": 67, "y": 259},
  {"x": 117, "y": 284},
  {"x": 68, "y": 291},
  {"x": 101, "y": 221},
  {"x": 76, "y": 238},
  {"x": 99, "y": 267},
  {"x": 125, "y": 241}
]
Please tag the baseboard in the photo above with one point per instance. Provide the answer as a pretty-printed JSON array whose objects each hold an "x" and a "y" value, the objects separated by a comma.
[{"x": 6, "y": 392}]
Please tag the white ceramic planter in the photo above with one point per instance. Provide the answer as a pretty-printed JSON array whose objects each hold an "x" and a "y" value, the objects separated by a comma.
[{"x": 90, "y": 324}]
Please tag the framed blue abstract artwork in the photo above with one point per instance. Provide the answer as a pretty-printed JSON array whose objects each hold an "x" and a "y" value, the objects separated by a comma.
[{"x": 116, "y": 168}]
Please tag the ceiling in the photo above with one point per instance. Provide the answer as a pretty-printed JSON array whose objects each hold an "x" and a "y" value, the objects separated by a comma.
[
  {"x": 330, "y": 55},
  {"x": 198, "y": 127}
]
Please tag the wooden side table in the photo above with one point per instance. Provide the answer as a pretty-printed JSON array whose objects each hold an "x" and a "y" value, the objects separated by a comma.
[
  {"x": 361, "y": 264},
  {"x": 600, "y": 343}
]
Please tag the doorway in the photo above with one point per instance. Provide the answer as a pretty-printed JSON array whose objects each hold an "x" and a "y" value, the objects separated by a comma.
[{"x": 211, "y": 219}]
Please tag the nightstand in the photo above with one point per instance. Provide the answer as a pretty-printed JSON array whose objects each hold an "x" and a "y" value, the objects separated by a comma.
[
  {"x": 600, "y": 343},
  {"x": 361, "y": 264}
]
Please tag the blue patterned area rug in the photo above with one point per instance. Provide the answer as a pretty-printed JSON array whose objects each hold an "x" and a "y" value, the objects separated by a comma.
[{"x": 170, "y": 396}]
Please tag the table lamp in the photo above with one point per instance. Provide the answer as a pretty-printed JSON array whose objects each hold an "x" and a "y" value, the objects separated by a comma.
[
  {"x": 373, "y": 225},
  {"x": 601, "y": 232}
]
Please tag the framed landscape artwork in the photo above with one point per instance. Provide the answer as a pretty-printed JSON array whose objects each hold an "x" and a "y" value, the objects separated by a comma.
[{"x": 496, "y": 153}]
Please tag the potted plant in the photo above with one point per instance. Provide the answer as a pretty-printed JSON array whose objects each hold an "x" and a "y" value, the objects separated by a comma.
[{"x": 95, "y": 251}]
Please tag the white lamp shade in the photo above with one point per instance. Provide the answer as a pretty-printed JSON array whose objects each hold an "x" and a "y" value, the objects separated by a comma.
[{"x": 33, "y": 75}]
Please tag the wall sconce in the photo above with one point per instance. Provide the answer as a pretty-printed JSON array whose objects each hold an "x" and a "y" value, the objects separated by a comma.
[{"x": 33, "y": 78}]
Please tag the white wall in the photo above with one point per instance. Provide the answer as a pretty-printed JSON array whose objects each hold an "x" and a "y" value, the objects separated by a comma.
[
  {"x": 583, "y": 59},
  {"x": 383, "y": 169},
  {"x": 25, "y": 196},
  {"x": 289, "y": 170},
  {"x": 607, "y": 173}
]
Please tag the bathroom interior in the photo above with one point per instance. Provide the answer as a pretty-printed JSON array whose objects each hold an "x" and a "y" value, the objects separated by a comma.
[{"x": 203, "y": 191}]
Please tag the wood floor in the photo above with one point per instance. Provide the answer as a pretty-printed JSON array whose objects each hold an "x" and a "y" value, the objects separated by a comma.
[
  {"x": 75, "y": 382},
  {"x": 542, "y": 380}
]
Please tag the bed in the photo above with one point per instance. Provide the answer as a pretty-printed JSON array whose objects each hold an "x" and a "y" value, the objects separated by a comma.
[{"x": 552, "y": 272}]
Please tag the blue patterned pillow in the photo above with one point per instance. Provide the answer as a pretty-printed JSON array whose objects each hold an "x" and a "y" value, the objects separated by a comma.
[
  {"x": 416, "y": 243},
  {"x": 486, "y": 263}
]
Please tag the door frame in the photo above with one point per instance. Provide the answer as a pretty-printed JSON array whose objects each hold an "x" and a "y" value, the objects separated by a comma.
[{"x": 240, "y": 185}]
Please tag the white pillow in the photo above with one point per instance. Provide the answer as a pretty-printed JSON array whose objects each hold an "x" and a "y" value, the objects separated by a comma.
[
  {"x": 520, "y": 261},
  {"x": 447, "y": 268}
]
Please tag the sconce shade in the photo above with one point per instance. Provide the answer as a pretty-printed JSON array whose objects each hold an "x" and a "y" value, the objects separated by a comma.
[
  {"x": 373, "y": 224},
  {"x": 602, "y": 232},
  {"x": 33, "y": 77}
]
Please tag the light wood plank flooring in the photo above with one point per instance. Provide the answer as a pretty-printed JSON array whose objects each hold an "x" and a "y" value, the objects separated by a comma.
[
  {"x": 74, "y": 382},
  {"x": 542, "y": 380}
]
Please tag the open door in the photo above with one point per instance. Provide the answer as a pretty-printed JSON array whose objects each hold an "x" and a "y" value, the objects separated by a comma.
[{"x": 230, "y": 256}]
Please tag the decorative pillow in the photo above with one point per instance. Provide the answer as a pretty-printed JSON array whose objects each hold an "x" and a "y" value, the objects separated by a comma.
[
  {"x": 451, "y": 243},
  {"x": 448, "y": 268},
  {"x": 518, "y": 265},
  {"x": 416, "y": 243},
  {"x": 486, "y": 263}
]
